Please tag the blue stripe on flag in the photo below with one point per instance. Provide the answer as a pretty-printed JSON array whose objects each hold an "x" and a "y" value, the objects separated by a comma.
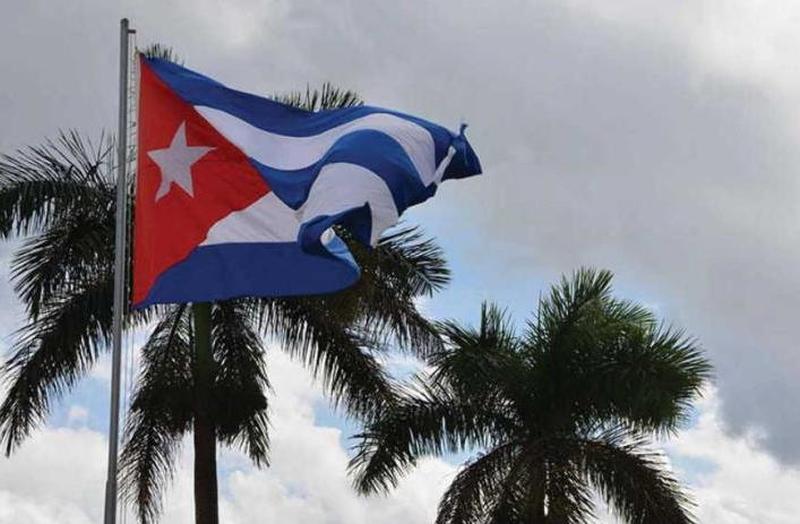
[
  {"x": 373, "y": 150},
  {"x": 279, "y": 118},
  {"x": 223, "y": 271}
]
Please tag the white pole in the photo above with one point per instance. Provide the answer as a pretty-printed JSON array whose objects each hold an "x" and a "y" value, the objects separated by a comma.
[{"x": 119, "y": 275}]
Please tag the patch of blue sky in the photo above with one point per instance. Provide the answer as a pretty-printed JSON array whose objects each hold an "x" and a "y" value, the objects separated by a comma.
[
  {"x": 693, "y": 469},
  {"x": 90, "y": 393}
]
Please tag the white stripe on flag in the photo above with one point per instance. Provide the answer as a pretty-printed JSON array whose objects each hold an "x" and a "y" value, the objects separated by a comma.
[
  {"x": 343, "y": 186},
  {"x": 266, "y": 220},
  {"x": 291, "y": 152},
  {"x": 338, "y": 187}
]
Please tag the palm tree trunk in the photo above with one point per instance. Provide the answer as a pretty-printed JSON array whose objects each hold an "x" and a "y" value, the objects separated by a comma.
[
  {"x": 206, "y": 510},
  {"x": 536, "y": 500}
]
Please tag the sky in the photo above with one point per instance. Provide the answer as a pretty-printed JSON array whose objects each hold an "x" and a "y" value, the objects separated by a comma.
[{"x": 656, "y": 139}]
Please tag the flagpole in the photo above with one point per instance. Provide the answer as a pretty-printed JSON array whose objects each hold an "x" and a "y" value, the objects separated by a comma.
[{"x": 119, "y": 275}]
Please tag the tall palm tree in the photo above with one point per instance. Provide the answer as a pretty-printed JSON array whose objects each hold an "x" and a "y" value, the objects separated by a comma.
[
  {"x": 563, "y": 412},
  {"x": 59, "y": 197}
]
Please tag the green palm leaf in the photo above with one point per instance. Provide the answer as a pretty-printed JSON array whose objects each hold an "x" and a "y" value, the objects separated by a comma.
[
  {"x": 59, "y": 197},
  {"x": 160, "y": 413},
  {"x": 561, "y": 411},
  {"x": 51, "y": 353}
]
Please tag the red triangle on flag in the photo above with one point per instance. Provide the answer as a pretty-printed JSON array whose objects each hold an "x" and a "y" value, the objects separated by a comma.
[{"x": 188, "y": 178}]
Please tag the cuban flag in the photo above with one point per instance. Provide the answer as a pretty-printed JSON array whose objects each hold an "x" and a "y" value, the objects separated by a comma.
[{"x": 236, "y": 195}]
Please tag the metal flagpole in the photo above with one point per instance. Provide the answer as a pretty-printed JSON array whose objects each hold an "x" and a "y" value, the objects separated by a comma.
[{"x": 119, "y": 275}]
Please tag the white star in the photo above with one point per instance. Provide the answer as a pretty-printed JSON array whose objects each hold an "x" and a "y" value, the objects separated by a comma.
[{"x": 176, "y": 162}]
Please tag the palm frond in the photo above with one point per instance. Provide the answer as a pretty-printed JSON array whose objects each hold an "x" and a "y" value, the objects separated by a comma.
[
  {"x": 42, "y": 184},
  {"x": 317, "y": 334},
  {"x": 164, "y": 52},
  {"x": 510, "y": 504},
  {"x": 605, "y": 358},
  {"x": 78, "y": 248},
  {"x": 478, "y": 364},
  {"x": 412, "y": 261},
  {"x": 579, "y": 391},
  {"x": 567, "y": 304},
  {"x": 568, "y": 492},
  {"x": 634, "y": 480},
  {"x": 147, "y": 464},
  {"x": 161, "y": 412},
  {"x": 50, "y": 354},
  {"x": 427, "y": 421},
  {"x": 647, "y": 379},
  {"x": 240, "y": 381},
  {"x": 326, "y": 97},
  {"x": 402, "y": 268},
  {"x": 473, "y": 493}
]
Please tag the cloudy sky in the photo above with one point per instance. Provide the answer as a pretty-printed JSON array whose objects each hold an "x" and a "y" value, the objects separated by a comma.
[{"x": 654, "y": 140}]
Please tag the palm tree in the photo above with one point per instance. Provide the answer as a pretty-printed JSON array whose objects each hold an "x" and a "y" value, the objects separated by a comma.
[
  {"x": 59, "y": 197},
  {"x": 562, "y": 412}
]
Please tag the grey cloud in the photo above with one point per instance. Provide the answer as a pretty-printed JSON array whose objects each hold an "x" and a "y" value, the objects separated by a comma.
[
  {"x": 602, "y": 145},
  {"x": 614, "y": 149}
]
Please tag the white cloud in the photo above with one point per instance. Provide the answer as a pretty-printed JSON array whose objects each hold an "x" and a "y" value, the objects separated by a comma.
[
  {"x": 751, "y": 41},
  {"x": 16, "y": 509},
  {"x": 58, "y": 476},
  {"x": 307, "y": 480},
  {"x": 734, "y": 480}
]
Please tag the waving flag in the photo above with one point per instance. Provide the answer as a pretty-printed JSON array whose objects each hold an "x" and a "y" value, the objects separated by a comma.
[{"x": 236, "y": 194}]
